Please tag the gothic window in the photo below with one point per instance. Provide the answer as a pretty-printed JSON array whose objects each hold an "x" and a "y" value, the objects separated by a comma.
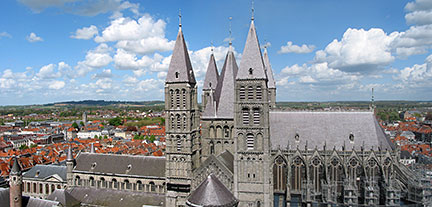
[
  {"x": 178, "y": 98},
  {"x": 184, "y": 98},
  {"x": 259, "y": 92},
  {"x": 279, "y": 175},
  {"x": 316, "y": 173},
  {"x": 250, "y": 141},
  {"x": 172, "y": 121},
  {"x": 256, "y": 116},
  {"x": 298, "y": 170},
  {"x": 250, "y": 93},
  {"x": 178, "y": 143},
  {"x": 218, "y": 131},
  {"x": 245, "y": 115},
  {"x": 242, "y": 93},
  {"x": 178, "y": 122},
  {"x": 184, "y": 121},
  {"x": 226, "y": 132}
]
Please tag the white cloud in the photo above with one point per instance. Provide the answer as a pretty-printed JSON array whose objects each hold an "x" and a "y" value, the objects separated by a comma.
[
  {"x": 32, "y": 37},
  {"x": 98, "y": 57},
  {"x": 419, "y": 17},
  {"x": 417, "y": 73},
  {"x": 106, "y": 73},
  {"x": 290, "y": 48},
  {"x": 5, "y": 34},
  {"x": 144, "y": 36},
  {"x": 419, "y": 5},
  {"x": 48, "y": 72},
  {"x": 85, "y": 33},
  {"x": 56, "y": 85},
  {"x": 307, "y": 79}
]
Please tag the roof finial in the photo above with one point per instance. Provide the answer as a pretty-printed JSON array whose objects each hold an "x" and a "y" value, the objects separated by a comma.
[
  {"x": 180, "y": 18},
  {"x": 372, "y": 100},
  {"x": 230, "y": 32},
  {"x": 211, "y": 47},
  {"x": 253, "y": 10}
]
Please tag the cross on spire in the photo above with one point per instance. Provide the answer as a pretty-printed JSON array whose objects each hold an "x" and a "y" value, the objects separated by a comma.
[
  {"x": 253, "y": 10},
  {"x": 212, "y": 48},
  {"x": 180, "y": 24},
  {"x": 230, "y": 33}
]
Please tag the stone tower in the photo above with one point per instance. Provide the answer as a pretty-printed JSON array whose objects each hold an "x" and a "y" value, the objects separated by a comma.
[
  {"x": 252, "y": 184},
  {"x": 210, "y": 82},
  {"x": 182, "y": 124},
  {"x": 271, "y": 82},
  {"x": 15, "y": 185},
  {"x": 84, "y": 118},
  {"x": 70, "y": 164}
]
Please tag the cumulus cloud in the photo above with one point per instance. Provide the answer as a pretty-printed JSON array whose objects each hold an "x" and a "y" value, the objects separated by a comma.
[
  {"x": 85, "y": 33},
  {"x": 106, "y": 73},
  {"x": 48, "y": 72},
  {"x": 32, "y": 37},
  {"x": 145, "y": 35},
  {"x": 5, "y": 34},
  {"x": 56, "y": 85},
  {"x": 419, "y": 73},
  {"x": 84, "y": 8},
  {"x": 98, "y": 57},
  {"x": 290, "y": 48}
]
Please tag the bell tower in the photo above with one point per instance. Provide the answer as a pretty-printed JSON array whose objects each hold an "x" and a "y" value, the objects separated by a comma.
[{"x": 182, "y": 124}]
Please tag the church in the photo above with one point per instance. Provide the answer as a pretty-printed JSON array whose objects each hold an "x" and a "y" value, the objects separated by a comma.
[{"x": 264, "y": 156}]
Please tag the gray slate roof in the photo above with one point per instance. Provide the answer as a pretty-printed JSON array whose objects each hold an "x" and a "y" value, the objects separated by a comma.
[
  {"x": 26, "y": 200},
  {"x": 271, "y": 82},
  {"x": 252, "y": 58},
  {"x": 115, "y": 198},
  {"x": 227, "y": 159},
  {"x": 46, "y": 171},
  {"x": 332, "y": 129},
  {"x": 212, "y": 193},
  {"x": 212, "y": 75},
  {"x": 146, "y": 166},
  {"x": 210, "y": 108},
  {"x": 64, "y": 197},
  {"x": 225, "y": 89},
  {"x": 180, "y": 63}
]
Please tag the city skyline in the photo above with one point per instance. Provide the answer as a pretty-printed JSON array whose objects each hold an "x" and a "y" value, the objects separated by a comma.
[{"x": 120, "y": 50}]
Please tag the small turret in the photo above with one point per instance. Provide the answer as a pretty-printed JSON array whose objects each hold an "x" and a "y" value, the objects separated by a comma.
[
  {"x": 15, "y": 182},
  {"x": 70, "y": 164}
]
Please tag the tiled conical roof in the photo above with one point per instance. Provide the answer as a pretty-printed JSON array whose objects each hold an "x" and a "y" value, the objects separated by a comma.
[
  {"x": 212, "y": 75},
  {"x": 252, "y": 66},
  {"x": 212, "y": 192},
  {"x": 180, "y": 68},
  {"x": 271, "y": 82},
  {"x": 16, "y": 169}
]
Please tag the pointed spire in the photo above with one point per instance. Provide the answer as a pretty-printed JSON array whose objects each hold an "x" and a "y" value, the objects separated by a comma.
[
  {"x": 252, "y": 65},
  {"x": 16, "y": 169},
  {"x": 271, "y": 82},
  {"x": 225, "y": 92},
  {"x": 212, "y": 74},
  {"x": 69, "y": 154},
  {"x": 180, "y": 68}
]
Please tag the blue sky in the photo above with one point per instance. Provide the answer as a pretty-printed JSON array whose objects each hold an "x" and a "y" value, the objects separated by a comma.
[{"x": 60, "y": 50}]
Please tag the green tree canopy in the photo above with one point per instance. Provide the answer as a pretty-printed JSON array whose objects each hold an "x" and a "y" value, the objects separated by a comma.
[
  {"x": 75, "y": 125},
  {"x": 115, "y": 121}
]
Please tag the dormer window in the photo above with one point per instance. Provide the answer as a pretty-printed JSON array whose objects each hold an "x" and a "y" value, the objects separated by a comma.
[
  {"x": 129, "y": 168},
  {"x": 297, "y": 137},
  {"x": 177, "y": 74},
  {"x": 351, "y": 137},
  {"x": 37, "y": 173},
  {"x": 93, "y": 165},
  {"x": 250, "y": 71}
]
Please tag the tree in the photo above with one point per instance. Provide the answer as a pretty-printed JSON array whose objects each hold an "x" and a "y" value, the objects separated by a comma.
[
  {"x": 22, "y": 147},
  {"x": 115, "y": 121},
  {"x": 33, "y": 145},
  {"x": 152, "y": 138},
  {"x": 75, "y": 125},
  {"x": 105, "y": 137},
  {"x": 81, "y": 123},
  {"x": 96, "y": 136}
]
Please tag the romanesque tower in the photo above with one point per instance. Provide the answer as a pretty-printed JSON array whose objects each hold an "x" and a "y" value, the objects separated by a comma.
[
  {"x": 252, "y": 184},
  {"x": 70, "y": 164},
  {"x": 182, "y": 124},
  {"x": 15, "y": 185}
]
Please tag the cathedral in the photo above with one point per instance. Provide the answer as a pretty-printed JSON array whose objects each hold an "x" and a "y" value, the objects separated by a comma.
[{"x": 240, "y": 145}]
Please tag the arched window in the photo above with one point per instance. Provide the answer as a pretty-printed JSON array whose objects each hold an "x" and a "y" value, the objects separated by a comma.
[
  {"x": 184, "y": 121},
  {"x": 242, "y": 93},
  {"x": 28, "y": 187},
  {"x": 184, "y": 98},
  {"x": 177, "y": 74},
  {"x": 298, "y": 174},
  {"x": 78, "y": 180},
  {"x": 256, "y": 116},
  {"x": 34, "y": 187},
  {"x": 152, "y": 187},
  {"x": 279, "y": 175},
  {"x": 179, "y": 141},
  {"x": 47, "y": 189},
  {"x": 171, "y": 93},
  {"x": 245, "y": 116},
  {"x": 178, "y": 122},
  {"x": 103, "y": 183},
  {"x": 226, "y": 132},
  {"x": 172, "y": 121},
  {"x": 250, "y": 93},
  {"x": 52, "y": 188},
  {"x": 92, "y": 182},
  {"x": 316, "y": 173},
  {"x": 177, "y": 98},
  {"x": 127, "y": 184},
  {"x": 139, "y": 185},
  {"x": 114, "y": 183},
  {"x": 259, "y": 92},
  {"x": 40, "y": 188},
  {"x": 250, "y": 142}
]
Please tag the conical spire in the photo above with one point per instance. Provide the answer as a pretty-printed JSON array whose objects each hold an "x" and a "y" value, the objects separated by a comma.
[
  {"x": 16, "y": 169},
  {"x": 180, "y": 68},
  {"x": 252, "y": 66},
  {"x": 212, "y": 75},
  {"x": 69, "y": 154},
  {"x": 271, "y": 82},
  {"x": 225, "y": 88},
  {"x": 212, "y": 192}
]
